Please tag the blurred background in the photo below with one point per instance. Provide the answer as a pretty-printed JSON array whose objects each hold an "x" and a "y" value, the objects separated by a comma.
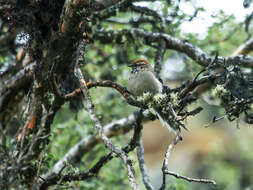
[{"x": 222, "y": 151}]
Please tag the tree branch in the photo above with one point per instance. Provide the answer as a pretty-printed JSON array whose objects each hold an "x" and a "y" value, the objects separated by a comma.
[
  {"x": 122, "y": 90},
  {"x": 173, "y": 43},
  {"x": 245, "y": 48},
  {"x": 159, "y": 57},
  {"x": 150, "y": 12},
  {"x": 142, "y": 166},
  {"x": 190, "y": 179},
  {"x": 166, "y": 157}
]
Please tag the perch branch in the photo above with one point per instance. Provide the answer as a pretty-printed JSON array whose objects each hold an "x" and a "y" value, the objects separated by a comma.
[{"x": 122, "y": 90}]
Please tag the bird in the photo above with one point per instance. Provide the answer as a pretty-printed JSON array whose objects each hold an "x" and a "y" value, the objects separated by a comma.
[{"x": 142, "y": 79}]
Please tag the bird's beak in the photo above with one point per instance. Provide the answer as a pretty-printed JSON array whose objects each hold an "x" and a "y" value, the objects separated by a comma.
[{"x": 130, "y": 65}]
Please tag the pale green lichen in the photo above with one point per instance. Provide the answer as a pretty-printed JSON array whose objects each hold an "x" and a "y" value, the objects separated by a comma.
[
  {"x": 219, "y": 91},
  {"x": 146, "y": 97},
  {"x": 159, "y": 98},
  {"x": 76, "y": 170},
  {"x": 174, "y": 99},
  {"x": 150, "y": 104},
  {"x": 152, "y": 100},
  {"x": 164, "y": 109},
  {"x": 152, "y": 110}
]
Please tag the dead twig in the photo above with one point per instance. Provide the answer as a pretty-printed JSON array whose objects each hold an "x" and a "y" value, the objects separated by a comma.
[
  {"x": 166, "y": 158},
  {"x": 142, "y": 166},
  {"x": 190, "y": 179}
]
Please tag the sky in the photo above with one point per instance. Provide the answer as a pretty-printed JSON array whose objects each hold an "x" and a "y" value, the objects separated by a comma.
[{"x": 199, "y": 25}]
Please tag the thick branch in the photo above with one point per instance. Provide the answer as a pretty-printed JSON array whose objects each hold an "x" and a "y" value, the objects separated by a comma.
[
  {"x": 173, "y": 43},
  {"x": 70, "y": 17},
  {"x": 147, "y": 11},
  {"x": 122, "y": 90},
  {"x": 159, "y": 57},
  {"x": 20, "y": 78},
  {"x": 110, "y": 10},
  {"x": 245, "y": 48}
]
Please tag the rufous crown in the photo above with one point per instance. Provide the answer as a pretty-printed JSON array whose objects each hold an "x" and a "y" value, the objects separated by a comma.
[{"x": 140, "y": 61}]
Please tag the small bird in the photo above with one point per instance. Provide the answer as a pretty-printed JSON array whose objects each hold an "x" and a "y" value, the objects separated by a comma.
[{"x": 143, "y": 80}]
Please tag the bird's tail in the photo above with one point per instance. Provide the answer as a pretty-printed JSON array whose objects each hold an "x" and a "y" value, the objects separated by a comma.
[{"x": 171, "y": 124}]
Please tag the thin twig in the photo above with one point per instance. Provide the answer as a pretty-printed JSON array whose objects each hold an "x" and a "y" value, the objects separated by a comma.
[
  {"x": 192, "y": 86},
  {"x": 3, "y": 137},
  {"x": 142, "y": 166},
  {"x": 106, "y": 141},
  {"x": 56, "y": 90},
  {"x": 147, "y": 11},
  {"x": 53, "y": 177},
  {"x": 190, "y": 179},
  {"x": 215, "y": 119},
  {"x": 166, "y": 158}
]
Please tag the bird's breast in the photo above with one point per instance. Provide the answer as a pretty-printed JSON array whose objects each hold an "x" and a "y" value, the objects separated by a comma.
[{"x": 142, "y": 82}]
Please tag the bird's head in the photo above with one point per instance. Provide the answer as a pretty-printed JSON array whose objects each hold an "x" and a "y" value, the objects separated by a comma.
[{"x": 140, "y": 64}]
